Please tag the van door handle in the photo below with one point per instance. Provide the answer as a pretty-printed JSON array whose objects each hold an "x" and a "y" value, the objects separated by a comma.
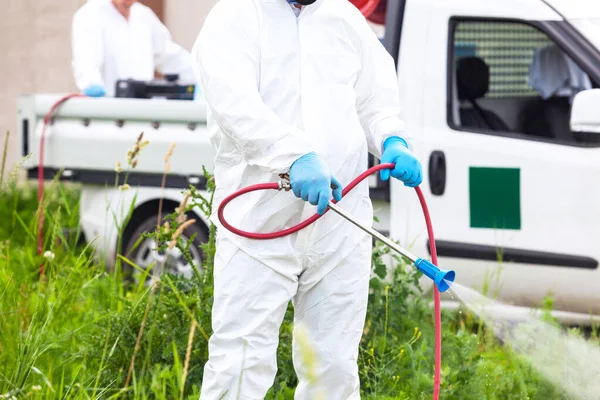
[{"x": 437, "y": 173}]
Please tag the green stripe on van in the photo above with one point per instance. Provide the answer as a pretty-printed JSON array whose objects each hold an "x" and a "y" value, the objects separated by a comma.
[{"x": 495, "y": 198}]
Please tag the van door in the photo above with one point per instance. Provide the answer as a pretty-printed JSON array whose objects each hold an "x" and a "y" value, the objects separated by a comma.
[{"x": 513, "y": 192}]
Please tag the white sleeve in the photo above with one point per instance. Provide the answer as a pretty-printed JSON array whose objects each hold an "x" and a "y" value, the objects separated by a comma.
[
  {"x": 378, "y": 98},
  {"x": 169, "y": 57},
  {"x": 87, "y": 49},
  {"x": 226, "y": 56}
]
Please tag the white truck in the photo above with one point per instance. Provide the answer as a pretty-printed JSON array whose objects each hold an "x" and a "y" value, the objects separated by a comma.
[{"x": 501, "y": 97}]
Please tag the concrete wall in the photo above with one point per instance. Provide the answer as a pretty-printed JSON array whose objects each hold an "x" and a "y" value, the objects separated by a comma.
[
  {"x": 35, "y": 46},
  {"x": 184, "y": 19}
]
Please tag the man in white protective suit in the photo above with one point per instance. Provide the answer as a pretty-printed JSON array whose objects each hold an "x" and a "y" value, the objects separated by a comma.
[
  {"x": 122, "y": 39},
  {"x": 306, "y": 88}
]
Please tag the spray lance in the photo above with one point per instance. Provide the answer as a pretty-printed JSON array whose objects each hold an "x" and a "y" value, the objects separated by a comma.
[{"x": 442, "y": 278}]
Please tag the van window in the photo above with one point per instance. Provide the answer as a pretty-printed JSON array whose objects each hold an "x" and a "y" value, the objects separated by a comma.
[{"x": 510, "y": 77}]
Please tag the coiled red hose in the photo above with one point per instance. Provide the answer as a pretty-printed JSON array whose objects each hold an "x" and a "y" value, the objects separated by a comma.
[{"x": 296, "y": 228}]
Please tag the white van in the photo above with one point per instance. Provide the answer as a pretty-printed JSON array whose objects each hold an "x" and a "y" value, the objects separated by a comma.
[{"x": 501, "y": 97}]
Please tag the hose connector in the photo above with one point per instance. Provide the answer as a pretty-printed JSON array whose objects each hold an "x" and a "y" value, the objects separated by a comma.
[
  {"x": 284, "y": 185},
  {"x": 442, "y": 278}
]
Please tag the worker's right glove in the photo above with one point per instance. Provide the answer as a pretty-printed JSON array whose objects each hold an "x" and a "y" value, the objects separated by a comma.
[
  {"x": 407, "y": 169},
  {"x": 312, "y": 181},
  {"x": 94, "y": 91}
]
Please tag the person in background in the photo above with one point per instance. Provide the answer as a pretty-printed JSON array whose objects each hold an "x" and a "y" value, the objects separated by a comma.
[{"x": 122, "y": 39}]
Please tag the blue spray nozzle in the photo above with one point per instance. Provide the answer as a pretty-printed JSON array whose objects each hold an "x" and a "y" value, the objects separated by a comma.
[{"x": 442, "y": 278}]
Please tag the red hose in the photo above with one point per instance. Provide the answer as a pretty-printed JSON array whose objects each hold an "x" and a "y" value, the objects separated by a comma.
[
  {"x": 352, "y": 185},
  {"x": 47, "y": 118},
  {"x": 436, "y": 298}
]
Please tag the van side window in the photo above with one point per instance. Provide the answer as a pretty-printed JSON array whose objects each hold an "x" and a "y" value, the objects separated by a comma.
[{"x": 510, "y": 77}]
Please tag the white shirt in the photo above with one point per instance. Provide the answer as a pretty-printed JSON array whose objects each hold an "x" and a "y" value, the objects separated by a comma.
[{"x": 107, "y": 47}]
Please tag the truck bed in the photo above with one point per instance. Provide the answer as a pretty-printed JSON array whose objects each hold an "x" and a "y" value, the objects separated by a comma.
[{"x": 89, "y": 136}]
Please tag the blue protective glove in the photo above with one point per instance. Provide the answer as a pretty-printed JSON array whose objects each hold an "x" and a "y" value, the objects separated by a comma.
[
  {"x": 94, "y": 91},
  {"x": 311, "y": 181},
  {"x": 407, "y": 169}
]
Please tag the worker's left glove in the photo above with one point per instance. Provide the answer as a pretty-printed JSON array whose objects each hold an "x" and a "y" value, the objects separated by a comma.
[{"x": 407, "y": 169}]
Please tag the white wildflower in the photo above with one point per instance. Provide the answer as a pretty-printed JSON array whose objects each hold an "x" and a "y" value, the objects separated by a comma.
[
  {"x": 124, "y": 187},
  {"x": 48, "y": 255}
]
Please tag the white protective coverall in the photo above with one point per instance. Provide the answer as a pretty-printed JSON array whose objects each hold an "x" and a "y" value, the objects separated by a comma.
[
  {"x": 107, "y": 47},
  {"x": 279, "y": 86}
]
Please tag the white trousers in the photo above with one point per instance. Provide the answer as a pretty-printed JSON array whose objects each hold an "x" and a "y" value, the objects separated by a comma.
[{"x": 250, "y": 301}]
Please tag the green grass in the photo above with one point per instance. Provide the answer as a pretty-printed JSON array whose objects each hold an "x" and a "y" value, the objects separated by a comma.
[{"x": 79, "y": 333}]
